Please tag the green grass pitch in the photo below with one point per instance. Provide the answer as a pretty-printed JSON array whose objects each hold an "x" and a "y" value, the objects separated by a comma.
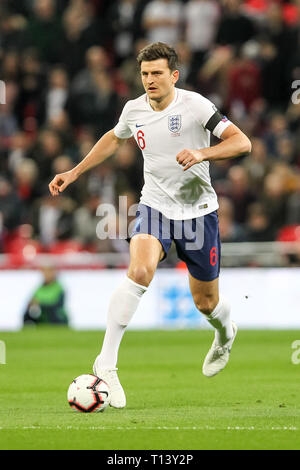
[{"x": 252, "y": 404}]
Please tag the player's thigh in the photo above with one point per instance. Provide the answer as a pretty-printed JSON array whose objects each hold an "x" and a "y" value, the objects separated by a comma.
[
  {"x": 205, "y": 294},
  {"x": 145, "y": 253}
]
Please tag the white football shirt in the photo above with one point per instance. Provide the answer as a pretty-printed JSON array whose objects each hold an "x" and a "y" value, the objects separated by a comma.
[{"x": 185, "y": 124}]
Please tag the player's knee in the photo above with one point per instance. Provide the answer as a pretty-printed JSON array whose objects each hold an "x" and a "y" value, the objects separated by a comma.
[
  {"x": 206, "y": 303},
  {"x": 142, "y": 275}
]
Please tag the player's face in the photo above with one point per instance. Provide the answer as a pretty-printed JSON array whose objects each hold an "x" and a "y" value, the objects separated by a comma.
[{"x": 158, "y": 79}]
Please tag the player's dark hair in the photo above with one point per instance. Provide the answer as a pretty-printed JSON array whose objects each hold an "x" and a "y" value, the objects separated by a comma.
[{"x": 159, "y": 50}]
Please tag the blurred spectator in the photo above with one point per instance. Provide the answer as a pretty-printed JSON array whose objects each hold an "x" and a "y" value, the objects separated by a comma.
[
  {"x": 255, "y": 123},
  {"x": 162, "y": 21},
  {"x": 49, "y": 146},
  {"x": 201, "y": 20},
  {"x": 44, "y": 30},
  {"x": 258, "y": 228},
  {"x": 85, "y": 220},
  {"x": 244, "y": 79},
  {"x": 45, "y": 219},
  {"x": 285, "y": 149},
  {"x": 10, "y": 206},
  {"x": 101, "y": 181},
  {"x": 289, "y": 176},
  {"x": 121, "y": 18},
  {"x": 12, "y": 31},
  {"x": 57, "y": 93},
  {"x": 278, "y": 130},
  {"x": 128, "y": 170},
  {"x": 64, "y": 163},
  {"x": 281, "y": 37},
  {"x": 213, "y": 76},
  {"x": 93, "y": 99},
  {"x": 235, "y": 28},
  {"x": 274, "y": 200},
  {"x": 72, "y": 46},
  {"x": 293, "y": 206},
  {"x": 230, "y": 231},
  {"x": 293, "y": 117},
  {"x": 218, "y": 171},
  {"x": 85, "y": 141},
  {"x": 60, "y": 124},
  {"x": 10, "y": 67},
  {"x": 48, "y": 301},
  {"x": 53, "y": 219},
  {"x": 26, "y": 175},
  {"x": 130, "y": 72},
  {"x": 19, "y": 148},
  {"x": 81, "y": 30},
  {"x": 257, "y": 165},
  {"x": 187, "y": 75},
  {"x": 8, "y": 121},
  {"x": 32, "y": 85},
  {"x": 239, "y": 192},
  {"x": 271, "y": 73}
]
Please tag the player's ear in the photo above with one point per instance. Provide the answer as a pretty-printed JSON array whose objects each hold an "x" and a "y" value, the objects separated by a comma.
[{"x": 175, "y": 75}]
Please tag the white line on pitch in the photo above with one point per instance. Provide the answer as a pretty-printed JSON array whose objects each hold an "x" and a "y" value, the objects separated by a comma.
[{"x": 152, "y": 428}]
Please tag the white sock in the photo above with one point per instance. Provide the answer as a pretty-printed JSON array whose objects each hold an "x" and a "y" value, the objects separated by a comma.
[
  {"x": 122, "y": 307},
  {"x": 220, "y": 320}
]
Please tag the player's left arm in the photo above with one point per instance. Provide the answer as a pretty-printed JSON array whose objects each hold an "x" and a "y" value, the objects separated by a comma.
[{"x": 234, "y": 144}]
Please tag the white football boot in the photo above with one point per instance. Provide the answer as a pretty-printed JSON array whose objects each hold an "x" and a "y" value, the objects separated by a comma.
[
  {"x": 110, "y": 376},
  {"x": 218, "y": 356}
]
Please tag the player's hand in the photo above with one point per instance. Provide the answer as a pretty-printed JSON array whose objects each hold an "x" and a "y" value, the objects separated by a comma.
[
  {"x": 188, "y": 158},
  {"x": 61, "y": 182}
]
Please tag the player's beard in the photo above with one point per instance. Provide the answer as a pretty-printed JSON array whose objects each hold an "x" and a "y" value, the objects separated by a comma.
[{"x": 161, "y": 98}]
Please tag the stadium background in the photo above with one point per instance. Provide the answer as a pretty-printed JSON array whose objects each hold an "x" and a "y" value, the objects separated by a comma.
[
  {"x": 68, "y": 67},
  {"x": 66, "y": 70}
]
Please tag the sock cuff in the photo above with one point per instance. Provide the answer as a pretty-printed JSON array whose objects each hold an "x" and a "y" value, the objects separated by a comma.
[
  {"x": 223, "y": 303},
  {"x": 139, "y": 289}
]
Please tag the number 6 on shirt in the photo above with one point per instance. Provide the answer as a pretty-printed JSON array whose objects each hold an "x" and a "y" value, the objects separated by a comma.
[{"x": 141, "y": 141}]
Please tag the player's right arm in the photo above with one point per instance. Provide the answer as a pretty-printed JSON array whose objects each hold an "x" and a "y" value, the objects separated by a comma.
[{"x": 104, "y": 148}]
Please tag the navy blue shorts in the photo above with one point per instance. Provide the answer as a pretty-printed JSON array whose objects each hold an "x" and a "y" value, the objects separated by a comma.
[{"x": 197, "y": 240}]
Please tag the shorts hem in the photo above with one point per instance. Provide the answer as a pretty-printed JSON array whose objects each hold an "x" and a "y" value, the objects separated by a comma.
[{"x": 197, "y": 277}]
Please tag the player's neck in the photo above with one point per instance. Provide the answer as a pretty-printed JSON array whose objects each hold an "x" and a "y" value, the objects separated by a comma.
[{"x": 160, "y": 105}]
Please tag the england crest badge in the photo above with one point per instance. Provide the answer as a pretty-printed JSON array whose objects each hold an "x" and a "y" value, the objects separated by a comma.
[{"x": 174, "y": 123}]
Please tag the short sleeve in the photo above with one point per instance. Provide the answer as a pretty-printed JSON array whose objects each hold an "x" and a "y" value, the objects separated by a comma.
[
  {"x": 122, "y": 130},
  {"x": 208, "y": 116}
]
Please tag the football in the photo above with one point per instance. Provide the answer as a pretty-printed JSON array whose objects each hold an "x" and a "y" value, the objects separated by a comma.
[{"x": 88, "y": 394}]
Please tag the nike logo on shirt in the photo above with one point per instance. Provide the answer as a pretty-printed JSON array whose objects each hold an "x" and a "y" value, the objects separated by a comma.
[{"x": 139, "y": 125}]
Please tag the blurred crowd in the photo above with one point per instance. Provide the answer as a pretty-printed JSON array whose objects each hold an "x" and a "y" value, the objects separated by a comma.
[{"x": 69, "y": 67}]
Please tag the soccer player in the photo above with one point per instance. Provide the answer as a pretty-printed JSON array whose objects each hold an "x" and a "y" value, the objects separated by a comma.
[{"x": 172, "y": 127}]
